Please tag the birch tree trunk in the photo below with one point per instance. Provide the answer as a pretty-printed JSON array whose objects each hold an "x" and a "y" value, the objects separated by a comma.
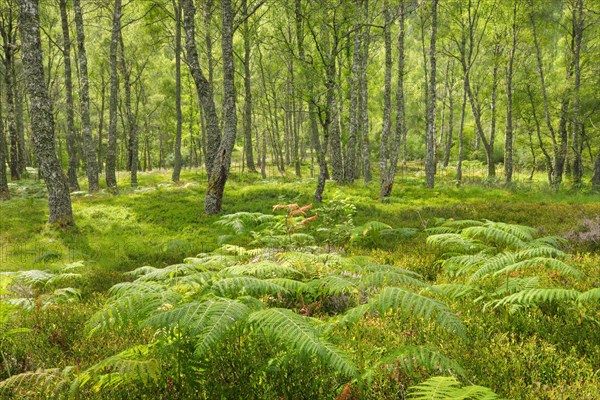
[
  {"x": 508, "y": 137},
  {"x": 4, "y": 192},
  {"x": 430, "y": 135},
  {"x": 179, "y": 116},
  {"x": 355, "y": 87},
  {"x": 9, "y": 45},
  {"x": 71, "y": 145},
  {"x": 111, "y": 149},
  {"x": 247, "y": 94},
  {"x": 577, "y": 141},
  {"x": 42, "y": 118},
  {"x": 203, "y": 86},
  {"x": 84, "y": 103},
  {"x": 131, "y": 125},
  {"x": 220, "y": 170},
  {"x": 385, "y": 146}
]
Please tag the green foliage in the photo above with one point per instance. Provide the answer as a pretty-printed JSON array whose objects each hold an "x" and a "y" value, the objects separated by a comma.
[{"x": 448, "y": 388}]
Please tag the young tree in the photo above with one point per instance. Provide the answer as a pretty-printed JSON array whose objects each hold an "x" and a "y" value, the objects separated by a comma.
[
  {"x": 4, "y": 192},
  {"x": 42, "y": 118}
]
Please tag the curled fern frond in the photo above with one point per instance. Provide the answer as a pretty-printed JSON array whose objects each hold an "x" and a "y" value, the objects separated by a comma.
[{"x": 295, "y": 331}]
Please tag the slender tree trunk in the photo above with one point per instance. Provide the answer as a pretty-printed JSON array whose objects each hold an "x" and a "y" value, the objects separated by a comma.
[
  {"x": 19, "y": 98},
  {"x": 430, "y": 138},
  {"x": 549, "y": 164},
  {"x": 577, "y": 141},
  {"x": 132, "y": 160},
  {"x": 363, "y": 102},
  {"x": 111, "y": 150},
  {"x": 388, "y": 175},
  {"x": 596, "y": 176},
  {"x": 4, "y": 192},
  {"x": 461, "y": 128},
  {"x": 222, "y": 162},
  {"x": 71, "y": 140},
  {"x": 385, "y": 147},
  {"x": 84, "y": 101},
  {"x": 449, "y": 137},
  {"x": 203, "y": 86},
  {"x": 508, "y": 137},
  {"x": 490, "y": 148},
  {"x": 560, "y": 146},
  {"x": 355, "y": 88},
  {"x": 42, "y": 118},
  {"x": 333, "y": 126},
  {"x": 101, "y": 125},
  {"x": 179, "y": 116},
  {"x": 7, "y": 29},
  {"x": 247, "y": 94}
]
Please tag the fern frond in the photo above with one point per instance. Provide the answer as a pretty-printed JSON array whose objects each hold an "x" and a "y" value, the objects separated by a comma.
[
  {"x": 517, "y": 284},
  {"x": 530, "y": 297},
  {"x": 135, "y": 364},
  {"x": 553, "y": 241},
  {"x": 590, "y": 295},
  {"x": 171, "y": 272},
  {"x": 413, "y": 304},
  {"x": 548, "y": 263},
  {"x": 367, "y": 228},
  {"x": 410, "y": 358},
  {"x": 42, "y": 382},
  {"x": 293, "y": 286},
  {"x": 495, "y": 263},
  {"x": 296, "y": 332},
  {"x": 131, "y": 303},
  {"x": 449, "y": 388},
  {"x": 495, "y": 235},
  {"x": 244, "y": 285},
  {"x": 453, "y": 242},
  {"x": 214, "y": 322},
  {"x": 263, "y": 269},
  {"x": 462, "y": 223},
  {"x": 464, "y": 263},
  {"x": 390, "y": 278},
  {"x": 537, "y": 250},
  {"x": 333, "y": 285},
  {"x": 456, "y": 290},
  {"x": 523, "y": 232}
]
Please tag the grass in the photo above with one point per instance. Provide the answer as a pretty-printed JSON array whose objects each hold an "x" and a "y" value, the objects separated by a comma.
[{"x": 160, "y": 223}]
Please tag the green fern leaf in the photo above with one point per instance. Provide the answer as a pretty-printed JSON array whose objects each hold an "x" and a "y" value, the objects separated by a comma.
[
  {"x": 413, "y": 304},
  {"x": 448, "y": 388},
  {"x": 296, "y": 332}
]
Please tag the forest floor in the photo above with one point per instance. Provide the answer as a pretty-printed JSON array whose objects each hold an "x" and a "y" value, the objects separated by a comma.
[{"x": 160, "y": 223}]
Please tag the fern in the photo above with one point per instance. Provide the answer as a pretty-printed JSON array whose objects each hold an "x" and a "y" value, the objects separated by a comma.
[
  {"x": 263, "y": 269},
  {"x": 133, "y": 365},
  {"x": 244, "y": 285},
  {"x": 448, "y": 388},
  {"x": 295, "y": 331},
  {"x": 498, "y": 236},
  {"x": 411, "y": 358},
  {"x": 413, "y": 304},
  {"x": 549, "y": 263},
  {"x": 46, "y": 382}
]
